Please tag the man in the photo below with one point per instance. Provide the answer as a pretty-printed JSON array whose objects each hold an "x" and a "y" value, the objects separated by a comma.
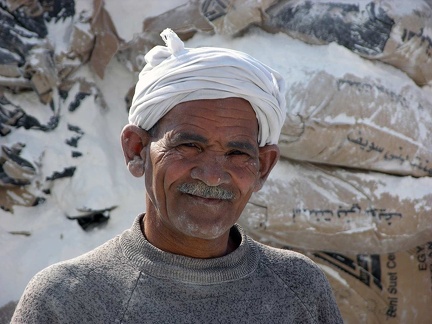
[{"x": 204, "y": 125}]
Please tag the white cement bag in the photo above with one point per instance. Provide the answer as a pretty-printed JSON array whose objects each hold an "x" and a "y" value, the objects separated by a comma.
[
  {"x": 360, "y": 122},
  {"x": 396, "y": 32},
  {"x": 326, "y": 208}
]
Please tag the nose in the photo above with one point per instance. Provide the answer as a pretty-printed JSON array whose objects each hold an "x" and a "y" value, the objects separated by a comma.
[{"x": 211, "y": 171}]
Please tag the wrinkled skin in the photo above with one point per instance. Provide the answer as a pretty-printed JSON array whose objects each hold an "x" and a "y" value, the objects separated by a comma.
[{"x": 198, "y": 146}]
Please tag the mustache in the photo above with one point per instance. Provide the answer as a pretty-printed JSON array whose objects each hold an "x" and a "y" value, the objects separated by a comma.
[{"x": 200, "y": 189}]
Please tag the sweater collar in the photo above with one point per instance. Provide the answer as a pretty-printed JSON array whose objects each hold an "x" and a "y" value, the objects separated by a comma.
[{"x": 157, "y": 263}]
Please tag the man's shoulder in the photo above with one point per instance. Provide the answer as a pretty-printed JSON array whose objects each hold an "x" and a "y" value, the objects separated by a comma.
[
  {"x": 79, "y": 268},
  {"x": 82, "y": 286},
  {"x": 284, "y": 257},
  {"x": 302, "y": 278},
  {"x": 292, "y": 267}
]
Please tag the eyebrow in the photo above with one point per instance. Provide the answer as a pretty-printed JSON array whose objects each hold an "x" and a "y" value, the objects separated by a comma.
[
  {"x": 180, "y": 137},
  {"x": 242, "y": 145}
]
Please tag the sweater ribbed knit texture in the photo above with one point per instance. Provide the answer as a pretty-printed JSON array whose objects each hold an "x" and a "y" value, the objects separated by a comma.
[{"x": 128, "y": 280}]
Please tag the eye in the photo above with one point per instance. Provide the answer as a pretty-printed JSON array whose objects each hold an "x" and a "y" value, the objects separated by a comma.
[
  {"x": 190, "y": 146},
  {"x": 237, "y": 152}
]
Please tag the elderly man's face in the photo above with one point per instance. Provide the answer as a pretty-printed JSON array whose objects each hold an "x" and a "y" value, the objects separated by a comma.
[{"x": 202, "y": 166}]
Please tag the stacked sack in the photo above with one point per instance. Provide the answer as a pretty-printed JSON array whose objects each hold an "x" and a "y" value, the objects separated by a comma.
[{"x": 43, "y": 47}]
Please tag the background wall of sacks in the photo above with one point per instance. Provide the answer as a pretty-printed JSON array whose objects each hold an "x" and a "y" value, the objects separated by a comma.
[{"x": 353, "y": 189}]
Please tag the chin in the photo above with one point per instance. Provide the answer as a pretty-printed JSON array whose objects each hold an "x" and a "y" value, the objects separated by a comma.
[{"x": 201, "y": 230}]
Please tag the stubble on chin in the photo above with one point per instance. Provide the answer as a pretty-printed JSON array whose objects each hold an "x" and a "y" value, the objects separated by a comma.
[{"x": 201, "y": 230}]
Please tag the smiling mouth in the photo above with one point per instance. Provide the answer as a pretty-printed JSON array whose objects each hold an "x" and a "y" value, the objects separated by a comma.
[
  {"x": 201, "y": 190},
  {"x": 206, "y": 200}
]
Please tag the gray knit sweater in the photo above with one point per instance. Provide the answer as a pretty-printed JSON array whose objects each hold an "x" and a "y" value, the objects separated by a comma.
[{"x": 128, "y": 280}]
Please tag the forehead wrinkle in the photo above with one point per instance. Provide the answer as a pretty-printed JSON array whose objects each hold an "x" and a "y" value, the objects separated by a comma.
[
  {"x": 200, "y": 117},
  {"x": 223, "y": 111},
  {"x": 243, "y": 131}
]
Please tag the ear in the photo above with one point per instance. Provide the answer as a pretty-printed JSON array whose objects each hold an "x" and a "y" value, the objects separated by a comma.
[
  {"x": 134, "y": 140},
  {"x": 268, "y": 157}
]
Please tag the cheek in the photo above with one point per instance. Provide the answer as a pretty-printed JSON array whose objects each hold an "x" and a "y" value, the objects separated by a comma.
[
  {"x": 245, "y": 176},
  {"x": 155, "y": 174},
  {"x": 175, "y": 169},
  {"x": 160, "y": 181}
]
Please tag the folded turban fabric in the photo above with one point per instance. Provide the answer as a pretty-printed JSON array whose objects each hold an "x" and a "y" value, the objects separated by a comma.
[{"x": 174, "y": 74}]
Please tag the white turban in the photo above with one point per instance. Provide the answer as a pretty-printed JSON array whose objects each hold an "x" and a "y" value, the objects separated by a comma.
[{"x": 174, "y": 74}]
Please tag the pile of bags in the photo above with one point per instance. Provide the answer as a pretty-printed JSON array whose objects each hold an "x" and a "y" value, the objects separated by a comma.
[{"x": 40, "y": 88}]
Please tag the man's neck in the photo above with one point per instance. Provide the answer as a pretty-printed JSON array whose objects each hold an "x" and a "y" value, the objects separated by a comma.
[{"x": 184, "y": 245}]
